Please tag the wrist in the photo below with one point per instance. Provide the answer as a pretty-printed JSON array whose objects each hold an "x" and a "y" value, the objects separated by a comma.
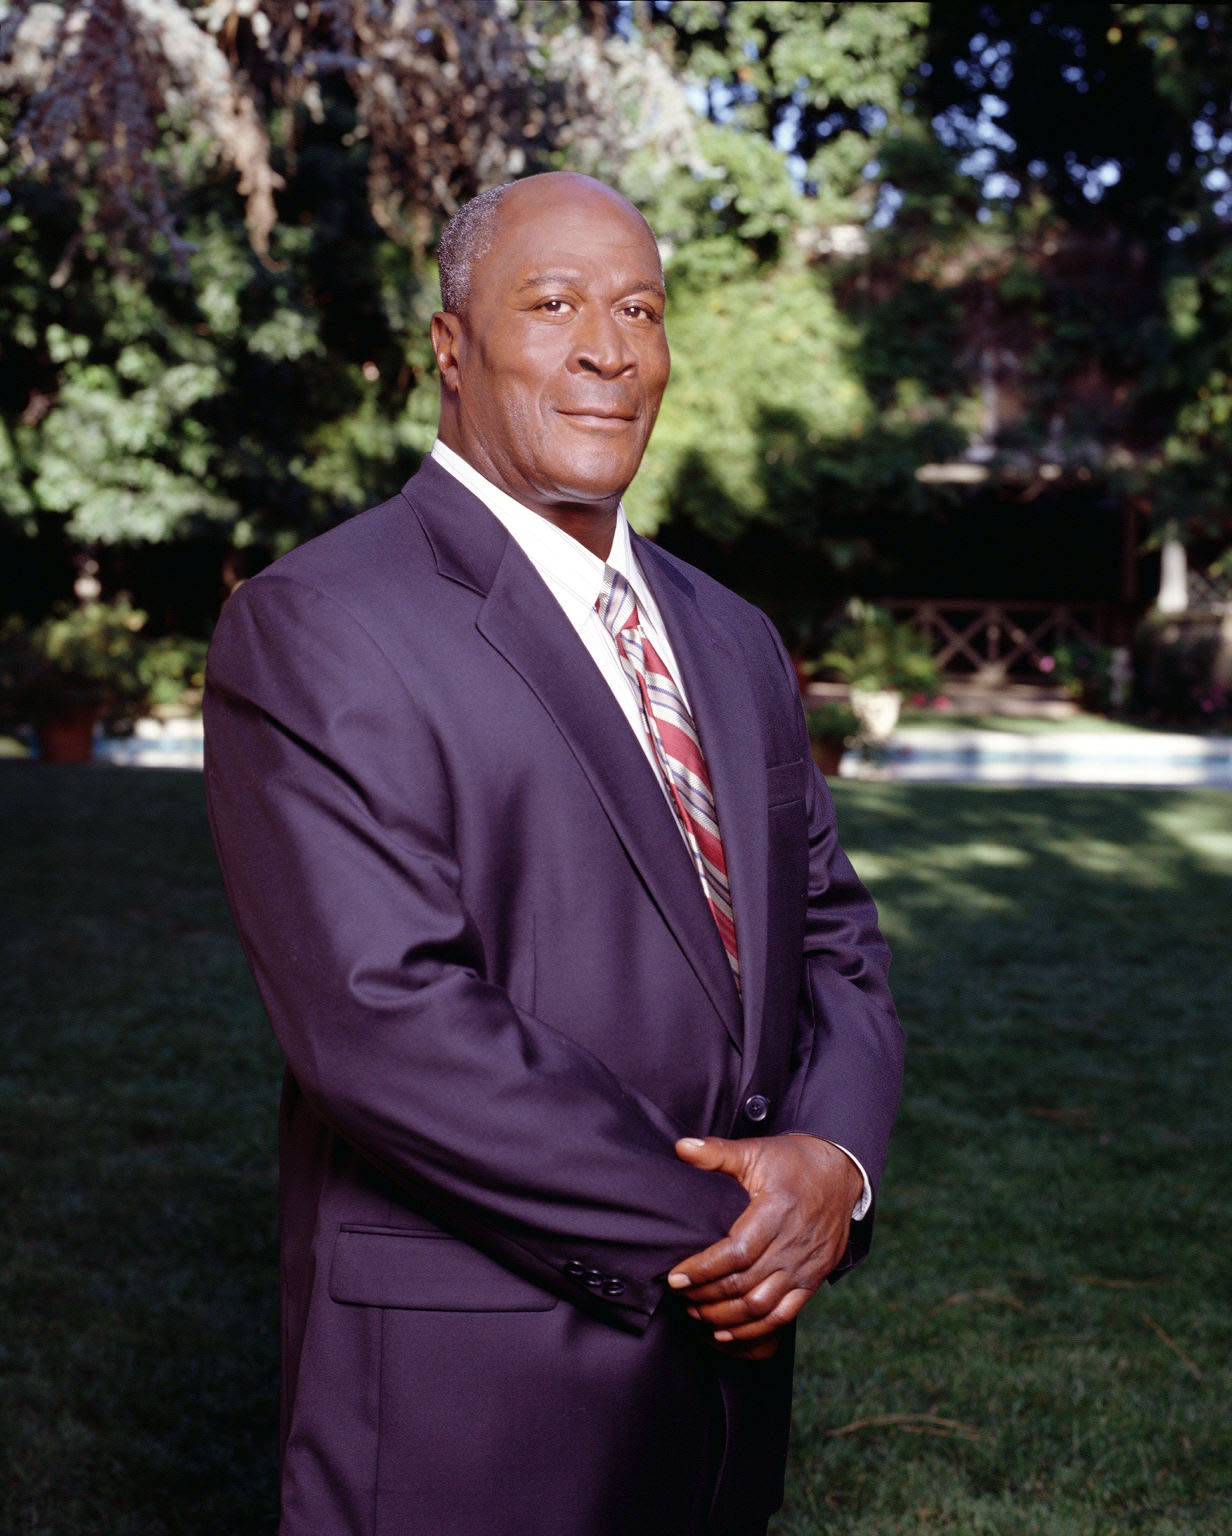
[{"x": 837, "y": 1167}]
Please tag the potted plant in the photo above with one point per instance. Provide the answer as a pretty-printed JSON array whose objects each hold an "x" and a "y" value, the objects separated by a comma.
[
  {"x": 172, "y": 671},
  {"x": 833, "y": 727},
  {"x": 76, "y": 667},
  {"x": 1085, "y": 672},
  {"x": 880, "y": 659}
]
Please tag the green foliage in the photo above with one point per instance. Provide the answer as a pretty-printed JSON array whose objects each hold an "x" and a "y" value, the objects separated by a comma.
[
  {"x": 1084, "y": 672},
  {"x": 768, "y": 422},
  {"x": 939, "y": 205},
  {"x": 269, "y": 399},
  {"x": 761, "y": 341},
  {"x": 172, "y": 671},
  {"x": 872, "y": 652},
  {"x": 96, "y": 656},
  {"x": 1183, "y": 670},
  {"x": 833, "y": 721},
  {"x": 825, "y": 79},
  {"x": 1188, "y": 477},
  {"x": 87, "y": 656},
  {"x": 910, "y": 337},
  {"x": 1110, "y": 321},
  {"x": 125, "y": 457},
  {"x": 851, "y": 296},
  {"x": 751, "y": 195}
]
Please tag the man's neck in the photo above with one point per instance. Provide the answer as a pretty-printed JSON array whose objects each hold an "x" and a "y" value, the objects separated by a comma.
[{"x": 594, "y": 527}]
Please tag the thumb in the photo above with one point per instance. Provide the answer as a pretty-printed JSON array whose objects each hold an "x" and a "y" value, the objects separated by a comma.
[{"x": 713, "y": 1152}]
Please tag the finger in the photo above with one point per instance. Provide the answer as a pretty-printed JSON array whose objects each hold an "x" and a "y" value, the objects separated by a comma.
[
  {"x": 719, "y": 1271},
  {"x": 763, "y": 1240},
  {"x": 714, "y": 1275},
  {"x": 787, "y": 1311},
  {"x": 753, "y": 1304},
  {"x": 757, "y": 1292},
  {"x": 780, "y": 1269},
  {"x": 718, "y": 1153},
  {"x": 744, "y": 1252}
]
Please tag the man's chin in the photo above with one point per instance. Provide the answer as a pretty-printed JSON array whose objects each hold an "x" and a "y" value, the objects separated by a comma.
[
  {"x": 582, "y": 504},
  {"x": 597, "y": 486}
]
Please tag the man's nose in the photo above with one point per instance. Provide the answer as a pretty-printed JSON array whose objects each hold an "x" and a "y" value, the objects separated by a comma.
[{"x": 601, "y": 345}]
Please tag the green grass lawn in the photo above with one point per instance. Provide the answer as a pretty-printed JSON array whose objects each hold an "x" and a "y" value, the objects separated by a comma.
[{"x": 1038, "y": 1345}]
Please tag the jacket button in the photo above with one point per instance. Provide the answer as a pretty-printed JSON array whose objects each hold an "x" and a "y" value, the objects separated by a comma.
[
  {"x": 575, "y": 1269},
  {"x": 613, "y": 1287},
  {"x": 757, "y": 1106},
  {"x": 594, "y": 1278}
]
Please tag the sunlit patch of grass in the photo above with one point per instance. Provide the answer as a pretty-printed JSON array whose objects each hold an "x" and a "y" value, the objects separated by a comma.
[{"x": 1047, "y": 1271}]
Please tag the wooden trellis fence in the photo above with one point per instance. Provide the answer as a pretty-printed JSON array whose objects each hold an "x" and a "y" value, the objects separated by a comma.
[{"x": 992, "y": 642}]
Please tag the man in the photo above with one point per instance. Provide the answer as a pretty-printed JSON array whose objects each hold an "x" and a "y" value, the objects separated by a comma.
[{"x": 590, "y": 1053}]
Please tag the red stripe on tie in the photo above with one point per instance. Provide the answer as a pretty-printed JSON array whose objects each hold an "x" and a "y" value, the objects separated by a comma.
[{"x": 672, "y": 733}]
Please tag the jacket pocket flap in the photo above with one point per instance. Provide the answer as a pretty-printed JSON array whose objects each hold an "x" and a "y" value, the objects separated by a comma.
[
  {"x": 785, "y": 781},
  {"x": 428, "y": 1271}
]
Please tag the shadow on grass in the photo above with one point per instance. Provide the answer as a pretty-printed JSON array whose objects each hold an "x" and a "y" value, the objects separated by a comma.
[
  {"x": 138, "y": 1093},
  {"x": 1037, "y": 1345}
]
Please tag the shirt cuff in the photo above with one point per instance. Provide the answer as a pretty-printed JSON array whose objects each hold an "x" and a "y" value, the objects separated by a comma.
[{"x": 864, "y": 1203}]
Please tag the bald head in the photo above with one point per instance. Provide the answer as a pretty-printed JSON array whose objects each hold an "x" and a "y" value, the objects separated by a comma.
[
  {"x": 470, "y": 233},
  {"x": 552, "y": 347}
]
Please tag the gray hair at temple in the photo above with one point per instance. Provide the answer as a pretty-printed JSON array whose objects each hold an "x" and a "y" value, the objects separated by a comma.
[{"x": 465, "y": 240}]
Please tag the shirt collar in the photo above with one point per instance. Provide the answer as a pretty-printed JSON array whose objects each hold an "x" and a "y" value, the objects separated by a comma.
[{"x": 568, "y": 567}]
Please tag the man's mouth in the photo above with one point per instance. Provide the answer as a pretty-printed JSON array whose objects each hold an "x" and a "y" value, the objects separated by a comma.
[{"x": 603, "y": 417}]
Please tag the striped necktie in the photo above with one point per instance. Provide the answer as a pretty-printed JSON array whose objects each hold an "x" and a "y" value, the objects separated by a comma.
[{"x": 673, "y": 736}]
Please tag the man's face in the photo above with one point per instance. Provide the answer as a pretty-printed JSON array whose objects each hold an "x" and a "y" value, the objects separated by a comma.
[{"x": 557, "y": 369}]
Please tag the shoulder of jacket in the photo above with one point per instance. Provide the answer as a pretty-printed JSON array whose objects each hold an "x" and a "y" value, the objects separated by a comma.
[
  {"x": 712, "y": 594},
  {"x": 366, "y": 559}
]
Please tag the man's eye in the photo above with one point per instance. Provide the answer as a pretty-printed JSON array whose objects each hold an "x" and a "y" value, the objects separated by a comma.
[
  {"x": 639, "y": 312},
  {"x": 554, "y": 306}
]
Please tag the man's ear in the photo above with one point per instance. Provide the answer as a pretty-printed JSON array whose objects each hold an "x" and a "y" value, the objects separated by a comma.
[{"x": 446, "y": 347}]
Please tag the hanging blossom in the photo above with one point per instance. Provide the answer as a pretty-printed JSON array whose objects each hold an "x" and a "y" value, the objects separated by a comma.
[
  {"x": 96, "y": 76},
  {"x": 450, "y": 97}
]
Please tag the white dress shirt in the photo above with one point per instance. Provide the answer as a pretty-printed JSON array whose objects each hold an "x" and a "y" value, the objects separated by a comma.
[{"x": 574, "y": 577}]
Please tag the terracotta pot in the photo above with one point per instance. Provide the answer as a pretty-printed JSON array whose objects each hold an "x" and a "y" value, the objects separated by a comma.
[
  {"x": 828, "y": 754},
  {"x": 67, "y": 736}
]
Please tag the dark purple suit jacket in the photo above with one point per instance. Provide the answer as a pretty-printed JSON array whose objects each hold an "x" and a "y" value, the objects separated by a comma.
[{"x": 501, "y": 996}]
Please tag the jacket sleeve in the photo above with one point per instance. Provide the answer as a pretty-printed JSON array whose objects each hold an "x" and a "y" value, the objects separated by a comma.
[
  {"x": 849, "y": 1056},
  {"x": 331, "y": 814}
]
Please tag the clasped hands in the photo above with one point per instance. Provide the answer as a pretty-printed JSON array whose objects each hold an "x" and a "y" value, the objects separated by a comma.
[{"x": 802, "y": 1191}]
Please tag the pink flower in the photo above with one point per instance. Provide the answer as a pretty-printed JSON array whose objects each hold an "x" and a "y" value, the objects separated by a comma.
[{"x": 1047, "y": 663}]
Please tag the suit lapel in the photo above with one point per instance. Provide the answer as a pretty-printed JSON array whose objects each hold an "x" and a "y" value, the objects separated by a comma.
[
  {"x": 523, "y": 622},
  {"x": 720, "y": 692}
]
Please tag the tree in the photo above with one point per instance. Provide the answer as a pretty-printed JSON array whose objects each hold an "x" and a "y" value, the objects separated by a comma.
[
  {"x": 167, "y": 365},
  {"x": 913, "y": 233},
  {"x": 1100, "y": 137}
]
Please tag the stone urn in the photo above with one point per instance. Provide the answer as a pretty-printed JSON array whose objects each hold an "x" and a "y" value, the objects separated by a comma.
[{"x": 878, "y": 710}]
